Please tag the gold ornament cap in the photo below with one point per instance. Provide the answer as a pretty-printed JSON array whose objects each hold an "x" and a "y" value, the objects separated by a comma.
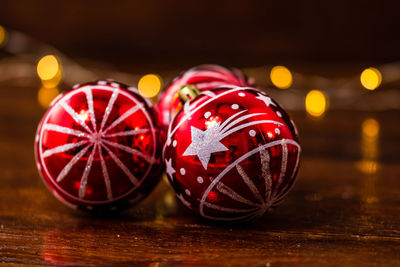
[{"x": 188, "y": 92}]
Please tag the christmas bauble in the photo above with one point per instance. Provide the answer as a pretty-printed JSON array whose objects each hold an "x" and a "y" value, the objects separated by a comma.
[
  {"x": 232, "y": 153},
  {"x": 98, "y": 146},
  {"x": 204, "y": 77}
]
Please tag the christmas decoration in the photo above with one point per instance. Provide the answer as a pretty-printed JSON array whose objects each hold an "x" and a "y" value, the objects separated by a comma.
[
  {"x": 231, "y": 153},
  {"x": 98, "y": 147},
  {"x": 204, "y": 77}
]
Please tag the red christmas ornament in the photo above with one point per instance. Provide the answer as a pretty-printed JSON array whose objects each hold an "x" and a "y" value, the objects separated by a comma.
[
  {"x": 98, "y": 148},
  {"x": 231, "y": 153},
  {"x": 204, "y": 77}
]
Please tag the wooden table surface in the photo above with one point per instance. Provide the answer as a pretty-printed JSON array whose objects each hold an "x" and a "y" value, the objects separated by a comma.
[{"x": 343, "y": 209}]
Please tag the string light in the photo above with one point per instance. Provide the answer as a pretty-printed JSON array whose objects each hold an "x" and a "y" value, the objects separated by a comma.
[
  {"x": 281, "y": 77},
  {"x": 150, "y": 85},
  {"x": 316, "y": 103},
  {"x": 3, "y": 36},
  {"x": 48, "y": 67},
  {"x": 47, "y": 95},
  {"x": 371, "y": 78}
]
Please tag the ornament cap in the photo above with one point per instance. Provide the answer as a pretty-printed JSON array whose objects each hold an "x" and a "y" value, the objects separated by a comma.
[{"x": 188, "y": 92}]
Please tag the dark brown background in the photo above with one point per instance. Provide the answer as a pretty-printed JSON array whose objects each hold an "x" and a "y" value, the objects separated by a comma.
[{"x": 178, "y": 34}]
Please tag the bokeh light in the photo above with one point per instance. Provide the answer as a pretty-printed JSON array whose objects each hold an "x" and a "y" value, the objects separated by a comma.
[
  {"x": 316, "y": 103},
  {"x": 370, "y": 128},
  {"x": 150, "y": 85},
  {"x": 170, "y": 199},
  {"x": 281, "y": 77},
  {"x": 369, "y": 146},
  {"x": 368, "y": 166},
  {"x": 47, "y": 95},
  {"x": 48, "y": 67},
  {"x": 370, "y": 134},
  {"x": 371, "y": 78},
  {"x": 3, "y": 36},
  {"x": 54, "y": 82}
]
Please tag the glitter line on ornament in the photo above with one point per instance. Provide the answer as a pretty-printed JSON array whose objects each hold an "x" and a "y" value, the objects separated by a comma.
[
  {"x": 249, "y": 183},
  {"x": 220, "y": 208},
  {"x": 284, "y": 191},
  {"x": 63, "y": 148},
  {"x": 227, "y": 130},
  {"x": 264, "y": 155},
  {"x": 247, "y": 125},
  {"x": 221, "y": 187},
  {"x": 208, "y": 93},
  {"x": 83, "y": 182},
  {"x": 186, "y": 203},
  {"x": 89, "y": 98},
  {"x": 106, "y": 177},
  {"x": 128, "y": 133},
  {"x": 128, "y": 173},
  {"x": 71, "y": 163},
  {"x": 66, "y": 130},
  {"x": 123, "y": 117},
  {"x": 109, "y": 108},
  {"x": 284, "y": 161},
  {"x": 130, "y": 150}
]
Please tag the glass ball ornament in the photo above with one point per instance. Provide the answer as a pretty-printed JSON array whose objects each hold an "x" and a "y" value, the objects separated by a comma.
[
  {"x": 204, "y": 77},
  {"x": 98, "y": 147},
  {"x": 232, "y": 153}
]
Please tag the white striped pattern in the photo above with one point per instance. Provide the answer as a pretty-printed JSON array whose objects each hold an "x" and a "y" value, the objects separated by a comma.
[
  {"x": 266, "y": 200},
  {"x": 96, "y": 140}
]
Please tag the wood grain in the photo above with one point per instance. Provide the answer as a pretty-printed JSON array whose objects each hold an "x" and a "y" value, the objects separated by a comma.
[{"x": 337, "y": 214}]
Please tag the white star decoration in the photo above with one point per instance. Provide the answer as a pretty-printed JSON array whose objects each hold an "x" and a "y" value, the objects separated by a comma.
[
  {"x": 204, "y": 143},
  {"x": 170, "y": 169},
  {"x": 267, "y": 100}
]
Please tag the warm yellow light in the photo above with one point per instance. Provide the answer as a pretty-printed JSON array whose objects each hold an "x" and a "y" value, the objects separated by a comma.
[
  {"x": 370, "y": 128},
  {"x": 53, "y": 82},
  {"x": 48, "y": 67},
  {"x": 84, "y": 115},
  {"x": 170, "y": 199},
  {"x": 281, "y": 77},
  {"x": 211, "y": 121},
  {"x": 369, "y": 146},
  {"x": 150, "y": 85},
  {"x": 3, "y": 36},
  {"x": 46, "y": 95},
  {"x": 371, "y": 78},
  {"x": 368, "y": 166},
  {"x": 316, "y": 103}
]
